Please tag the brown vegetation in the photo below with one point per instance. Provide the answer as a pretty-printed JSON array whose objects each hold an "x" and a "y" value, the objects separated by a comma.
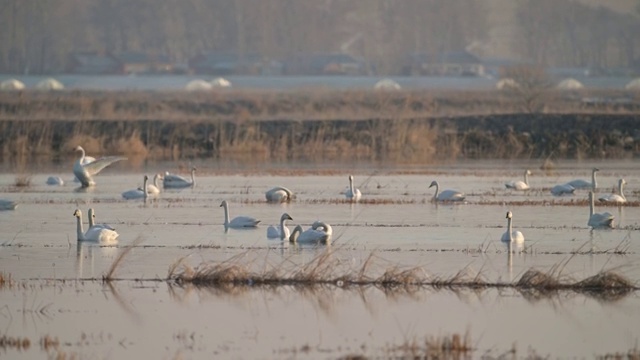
[{"x": 400, "y": 127}]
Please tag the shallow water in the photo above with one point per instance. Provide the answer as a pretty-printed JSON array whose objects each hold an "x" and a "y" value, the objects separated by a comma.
[{"x": 142, "y": 315}]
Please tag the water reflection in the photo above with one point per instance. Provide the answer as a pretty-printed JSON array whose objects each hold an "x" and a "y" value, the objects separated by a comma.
[{"x": 85, "y": 265}]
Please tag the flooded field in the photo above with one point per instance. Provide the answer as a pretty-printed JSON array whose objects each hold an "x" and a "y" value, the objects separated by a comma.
[{"x": 402, "y": 276}]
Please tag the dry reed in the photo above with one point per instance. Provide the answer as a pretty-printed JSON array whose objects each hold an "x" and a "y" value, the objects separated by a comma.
[{"x": 118, "y": 260}]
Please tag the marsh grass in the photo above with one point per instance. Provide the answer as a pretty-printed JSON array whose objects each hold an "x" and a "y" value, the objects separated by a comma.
[
  {"x": 327, "y": 269},
  {"x": 108, "y": 276},
  {"x": 17, "y": 343}
]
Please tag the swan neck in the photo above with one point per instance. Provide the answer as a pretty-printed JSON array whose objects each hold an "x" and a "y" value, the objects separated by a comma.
[
  {"x": 510, "y": 229},
  {"x": 593, "y": 180},
  {"x": 526, "y": 177},
  {"x": 193, "y": 177},
  {"x": 79, "y": 228},
  {"x": 226, "y": 213},
  {"x": 144, "y": 188},
  {"x": 282, "y": 225},
  {"x": 155, "y": 181},
  {"x": 351, "y": 185},
  {"x": 620, "y": 186},
  {"x": 590, "y": 205},
  {"x": 435, "y": 196},
  {"x": 294, "y": 235}
]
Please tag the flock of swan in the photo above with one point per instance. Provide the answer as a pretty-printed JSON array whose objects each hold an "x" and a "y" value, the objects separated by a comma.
[{"x": 320, "y": 232}]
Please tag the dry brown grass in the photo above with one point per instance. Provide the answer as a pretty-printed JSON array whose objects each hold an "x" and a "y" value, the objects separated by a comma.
[
  {"x": 17, "y": 343},
  {"x": 454, "y": 346},
  {"x": 108, "y": 276}
]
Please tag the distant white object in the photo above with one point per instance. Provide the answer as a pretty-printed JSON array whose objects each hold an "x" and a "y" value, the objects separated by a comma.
[
  {"x": 312, "y": 235},
  {"x": 598, "y": 220},
  {"x": 281, "y": 231},
  {"x": 55, "y": 180},
  {"x": 220, "y": 82},
  {"x": 446, "y": 195},
  {"x": 49, "y": 84},
  {"x": 12, "y": 85},
  {"x": 512, "y": 236},
  {"x": 139, "y": 193},
  {"x": 520, "y": 185},
  {"x": 154, "y": 189},
  {"x": 507, "y": 84},
  {"x": 238, "y": 222},
  {"x": 94, "y": 234},
  {"x": 172, "y": 181},
  {"x": 279, "y": 194},
  {"x": 352, "y": 192},
  {"x": 633, "y": 84},
  {"x": 584, "y": 184},
  {"x": 198, "y": 85},
  {"x": 387, "y": 84},
  {"x": 618, "y": 198},
  {"x": 86, "y": 166},
  {"x": 569, "y": 84}
]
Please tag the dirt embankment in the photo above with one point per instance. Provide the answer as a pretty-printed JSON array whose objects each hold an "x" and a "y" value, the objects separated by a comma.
[{"x": 401, "y": 127}]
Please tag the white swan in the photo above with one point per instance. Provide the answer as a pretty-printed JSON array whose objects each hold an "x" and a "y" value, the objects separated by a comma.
[
  {"x": 55, "y": 180},
  {"x": 618, "y": 198},
  {"x": 238, "y": 222},
  {"x": 584, "y": 184},
  {"x": 280, "y": 232},
  {"x": 154, "y": 189},
  {"x": 562, "y": 189},
  {"x": 8, "y": 205},
  {"x": 512, "y": 236},
  {"x": 598, "y": 220},
  {"x": 139, "y": 193},
  {"x": 520, "y": 185},
  {"x": 94, "y": 234},
  {"x": 92, "y": 221},
  {"x": 172, "y": 181},
  {"x": 446, "y": 195},
  {"x": 86, "y": 166},
  {"x": 279, "y": 194},
  {"x": 352, "y": 193},
  {"x": 312, "y": 235}
]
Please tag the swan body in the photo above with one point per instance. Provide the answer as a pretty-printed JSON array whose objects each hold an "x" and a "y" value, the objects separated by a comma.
[
  {"x": 8, "y": 205},
  {"x": 446, "y": 195},
  {"x": 154, "y": 189},
  {"x": 279, "y": 194},
  {"x": 563, "y": 189},
  {"x": 618, "y": 198},
  {"x": 86, "y": 167},
  {"x": 55, "y": 180},
  {"x": 583, "y": 184},
  {"x": 512, "y": 236},
  {"x": 92, "y": 221},
  {"x": 139, "y": 193},
  {"x": 172, "y": 181},
  {"x": 312, "y": 235},
  {"x": 94, "y": 234},
  {"x": 598, "y": 220},
  {"x": 520, "y": 185},
  {"x": 282, "y": 231},
  {"x": 238, "y": 222},
  {"x": 352, "y": 192}
]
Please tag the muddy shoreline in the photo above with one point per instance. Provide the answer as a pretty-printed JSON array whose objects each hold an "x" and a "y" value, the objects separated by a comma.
[{"x": 403, "y": 127}]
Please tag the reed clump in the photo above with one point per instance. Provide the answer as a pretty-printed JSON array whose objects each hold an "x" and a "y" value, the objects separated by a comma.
[
  {"x": 454, "y": 346},
  {"x": 18, "y": 343}
]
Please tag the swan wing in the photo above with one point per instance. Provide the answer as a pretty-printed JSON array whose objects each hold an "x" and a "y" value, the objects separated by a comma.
[
  {"x": 244, "y": 221},
  {"x": 133, "y": 194},
  {"x": 451, "y": 195},
  {"x": 101, "y": 235},
  {"x": 517, "y": 185},
  {"x": 580, "y": 184},
  {"x": 96, "y": 166},
  {"x": 599, "y": 220},
  {"x": 614, "y": 198},
  {"x": 273, "y": 232},
  {"x": 313, "y": 236}
]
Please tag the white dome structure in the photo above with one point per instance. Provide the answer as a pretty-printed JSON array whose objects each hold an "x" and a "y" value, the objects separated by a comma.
[
  {"x": 633, "y": 84},
  {"x": 387, "y": 84},
  {"x": 198, "y": 85},
  {"x": 220, "y": 82},
  {"x": 49, "y": 84},
  {"x": 507, "y": 84},
  {"x": 569, "y": 84},
  {"x": 11, "y": 84}
]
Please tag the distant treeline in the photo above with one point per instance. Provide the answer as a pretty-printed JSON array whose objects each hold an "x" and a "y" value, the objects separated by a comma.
[{"x": 38, "y": 35}]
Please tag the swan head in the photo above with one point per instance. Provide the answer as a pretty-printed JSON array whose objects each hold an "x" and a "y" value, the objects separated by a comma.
[
  {"x": 77, "y": 213},
  {"x": 622, "y": 182},
  {"x": 91, "y": 213},
  {"x": 595, "y": 169},
  {"x": 146, "y": 178},
  {"x": 224, "y": 203},
  {"x": 528, "y": 172},
  {"x": 433, "y": 183},
  {"x": 509, "y": 215},
  {"x": 351, "y": 178},
  {"x": 78, "y": 148},
  {"x": 286, "y": 216}
]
